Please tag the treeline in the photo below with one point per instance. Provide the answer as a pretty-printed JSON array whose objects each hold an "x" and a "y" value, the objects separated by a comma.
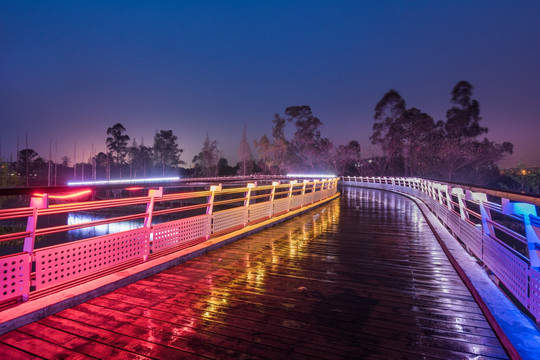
[{"x": 412, "y": 143}]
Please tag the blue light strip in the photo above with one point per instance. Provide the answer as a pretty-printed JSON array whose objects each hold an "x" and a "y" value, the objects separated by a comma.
[
  {"x": 125, "y": 181},
  {"x": 319, "y": 176}
]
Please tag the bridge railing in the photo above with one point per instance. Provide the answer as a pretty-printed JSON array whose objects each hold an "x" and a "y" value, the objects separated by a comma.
[
  {"x": 501, "y": 229},
  {"x": 158, "y": 223}
]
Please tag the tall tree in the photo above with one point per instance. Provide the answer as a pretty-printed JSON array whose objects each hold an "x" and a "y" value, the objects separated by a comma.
[
  {"x": 206, "y": 162},
  {"x": 390, "y": 108},
  {"x": 65, "y": 161},
  {"x": 463, "y": 119},
  {"x": 459, "y": 150},
  {"x": 346, "y": 158},
  {"x": 308, "y": 144},
  {"x": 140, "y": 158},
  {"x": 224, "y": 169},
  {"x": 245, "y": 158},
  {"x": 27, "y": 159},
  {"x": 412, "y": 133},
  {"x": 166, "y": 151},
  {"x": 117, "y": 144},
  {"x": 274, "y": 153}
]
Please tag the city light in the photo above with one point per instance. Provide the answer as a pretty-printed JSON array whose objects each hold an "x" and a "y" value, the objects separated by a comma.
[{"x": 125, "y": 181}]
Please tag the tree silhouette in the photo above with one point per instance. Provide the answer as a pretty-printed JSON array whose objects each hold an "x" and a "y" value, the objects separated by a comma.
[
  {"x": 413, "y": 144},
  {"x": 117, "y": 144},
  {"x": 140, "y": 158},
  {"x": 463, "y": 119},
  {"x": 245, "y": 158},
  {"x": 274, "y": 153},
  {"x": 206, "y": 162},
  {"x": 28, "y": 161},
  {"x": 309, "y": 147},
  {"x": 165, "y": 150}
]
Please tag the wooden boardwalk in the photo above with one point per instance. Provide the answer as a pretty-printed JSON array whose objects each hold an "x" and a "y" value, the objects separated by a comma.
[{"x": 361, "y": 277}]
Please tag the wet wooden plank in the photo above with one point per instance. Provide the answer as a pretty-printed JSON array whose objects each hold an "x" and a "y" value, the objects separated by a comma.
[
  {"x": 361, "y": 277},
  {"x": 100, "y": 333},
  {"x": 78, "y": 343},
  {"x": 39, "y": 347},
  {"x": 10, "y": 352}
]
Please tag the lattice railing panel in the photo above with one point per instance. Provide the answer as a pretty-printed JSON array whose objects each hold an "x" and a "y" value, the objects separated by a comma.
[
  {"x": 472, "y": 237},
  {"x": 308, "y": 198},
  {"x": 260, "y": 210},
  {"x": 441, "y": 211},
  {"x": 281, "y": 205},
  {"x": 507, "y": 266},
  {"x": 64, "y": 262},
  {"x": 453, "y": 221},
  {"x": 534, "y": 297},
  {"x": 326, "y": 193},
  {"x": 15, "y": 276},
  {"x": 297, "y": 201},
  {"x": 226, "y": 219},
  {"x": 176, "y": 232}
]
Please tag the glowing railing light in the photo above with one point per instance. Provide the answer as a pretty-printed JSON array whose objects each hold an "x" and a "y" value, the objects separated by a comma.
[
  {"x": 68, "y": 196},
  {"x": 126, "y": 181},
  {"x": 134, "y": 188},
  {"x": 325, "y": 176}
]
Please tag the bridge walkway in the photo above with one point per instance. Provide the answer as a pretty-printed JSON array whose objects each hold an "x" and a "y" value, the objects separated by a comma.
[{"x": 361, "y": 277}]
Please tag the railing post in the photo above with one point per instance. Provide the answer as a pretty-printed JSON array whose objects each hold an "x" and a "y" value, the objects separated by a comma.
[
  {"x": 248, "y": 199},
  {"x": 484, "y": 212},
  {"x": 152, "y": 193},
  {"x": 272, "y": 197},
  {"x": 304, "y": 192},
  {"x": 460, "y": 194},
  {"x": 448, "y": 198},
  {"x": 210, "y": 208},
  {"x": 273, "y": 193},
  {"x": 292, "y": 183},
  {"x": 533, "y": 242},
  {"x": 36, "y": 202},
  {"x": 439, "y": 194}
]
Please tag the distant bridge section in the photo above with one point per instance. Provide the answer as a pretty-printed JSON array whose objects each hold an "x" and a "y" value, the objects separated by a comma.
[{"x": 501, "y": 229}]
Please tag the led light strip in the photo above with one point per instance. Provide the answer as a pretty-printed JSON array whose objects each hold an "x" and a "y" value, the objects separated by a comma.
[
  {"x": 327, "y": 176},
  {"x": 69, "y": 196},
  {"x": 126, "y": 181}
]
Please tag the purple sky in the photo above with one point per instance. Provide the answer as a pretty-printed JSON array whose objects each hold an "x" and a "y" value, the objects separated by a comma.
[{"x": 71, "y": 69}]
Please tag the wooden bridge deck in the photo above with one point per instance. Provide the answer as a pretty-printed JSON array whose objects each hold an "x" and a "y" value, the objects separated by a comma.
[{"x": 361, "y": 277}]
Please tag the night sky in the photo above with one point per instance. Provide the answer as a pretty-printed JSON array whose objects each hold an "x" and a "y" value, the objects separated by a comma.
[{"x": 71, "y": 69}]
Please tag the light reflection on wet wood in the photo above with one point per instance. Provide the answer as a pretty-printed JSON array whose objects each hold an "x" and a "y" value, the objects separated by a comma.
[{"x": 361, "y": 277}]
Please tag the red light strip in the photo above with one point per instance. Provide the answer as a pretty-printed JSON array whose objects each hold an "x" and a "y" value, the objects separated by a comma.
[
  {"x": 134, "y": 188},
  {"x": 69, "y": 196}
]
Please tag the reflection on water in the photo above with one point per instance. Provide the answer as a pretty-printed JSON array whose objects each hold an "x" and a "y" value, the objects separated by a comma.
[
  {"x": 81, "y": 218},
  {"x": 73, "y": 218}
]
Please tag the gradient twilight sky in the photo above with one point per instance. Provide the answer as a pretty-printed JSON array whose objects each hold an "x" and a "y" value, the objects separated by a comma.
[{"x": 71, "y": 69}]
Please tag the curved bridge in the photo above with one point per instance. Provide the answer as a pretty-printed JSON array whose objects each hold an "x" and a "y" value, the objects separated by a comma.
[{"x": 359, "y": 277}]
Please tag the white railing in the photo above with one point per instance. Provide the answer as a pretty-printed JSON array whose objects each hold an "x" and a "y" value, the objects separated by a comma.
[
  {"x": 499, "y": 228},
  {"x": 199, "y": 216}
]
